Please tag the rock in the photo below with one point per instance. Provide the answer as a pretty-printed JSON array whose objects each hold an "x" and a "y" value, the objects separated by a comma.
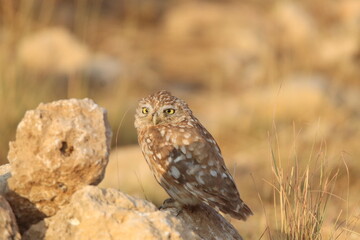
[
  {"x": 96, "y": 213},
  {"x": 314, "y": 99},
  {"x": 207, "y": 223},
  {"x": 220, "y": 41},
  {"x": 103, "y": 70},
  {"x": 288, "y": 14},
  {"x": 59, "y": 148},
  {"x": 56, "y": 51},
  {"x": 8, "y": 227},
  {"x": 348, "y": 12},
  {"x": 5, "y": 173},
  {"x": 335, "y": 49},
  {"x": 5, "y": 169}
]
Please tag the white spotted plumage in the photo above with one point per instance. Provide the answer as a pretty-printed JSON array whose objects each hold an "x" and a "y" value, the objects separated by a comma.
[
  {"x": 213, "y": 173},
  {"x": 184, "y": 157}
]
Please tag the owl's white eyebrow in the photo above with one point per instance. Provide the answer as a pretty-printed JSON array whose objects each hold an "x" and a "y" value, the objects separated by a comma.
[
  {"x": 167, "y": 106},
  {"x": 146, "y": 105}
]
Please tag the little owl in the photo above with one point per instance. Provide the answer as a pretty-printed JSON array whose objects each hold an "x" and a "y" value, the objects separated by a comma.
[{"x": 184, "y": 157}]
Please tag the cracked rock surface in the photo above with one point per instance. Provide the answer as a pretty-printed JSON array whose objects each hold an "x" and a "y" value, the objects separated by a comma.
[
  {"x": 96, "y": 213},
  {"x": 59, "y": 148}
]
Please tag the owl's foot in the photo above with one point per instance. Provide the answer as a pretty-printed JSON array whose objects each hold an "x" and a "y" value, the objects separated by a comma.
[{"x": 171, "y": 203}]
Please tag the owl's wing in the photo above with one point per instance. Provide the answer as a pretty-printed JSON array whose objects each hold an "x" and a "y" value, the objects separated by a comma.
[{"x": 204, "y": 174}]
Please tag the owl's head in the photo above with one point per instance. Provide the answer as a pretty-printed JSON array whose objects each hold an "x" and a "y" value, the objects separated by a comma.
[{"x": 161, "y": 108}]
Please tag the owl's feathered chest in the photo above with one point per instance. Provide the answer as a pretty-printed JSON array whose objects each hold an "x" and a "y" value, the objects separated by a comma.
[{"x": 159, "y": 142}]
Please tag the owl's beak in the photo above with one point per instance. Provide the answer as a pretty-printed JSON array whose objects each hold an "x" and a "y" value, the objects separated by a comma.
[{"x": 155, "y": 119}]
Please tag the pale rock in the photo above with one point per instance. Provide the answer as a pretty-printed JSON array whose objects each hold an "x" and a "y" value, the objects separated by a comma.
[
  {"x": 294, "y": 23},
  {"x": 8, "y": 226},
  {"x": 207, "y": 223},
  {"x": 300, "y": 98},
  {"x": 335, "y": 50},
  {"x": 348, "y": 12},
  {"x": 5, "y": 169},
  {"x": 59, "y": 148},
  {"x": 53, "y": 50},
  {"x": 103, "y": 70},
  {"x": 215, "y": 39},
  {"x": 96, "y": 213}
]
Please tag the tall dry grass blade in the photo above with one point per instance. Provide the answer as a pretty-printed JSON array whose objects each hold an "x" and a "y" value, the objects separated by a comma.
[
  {"x": 263, "y": 208},
  {"x": 301, "y": 194}
]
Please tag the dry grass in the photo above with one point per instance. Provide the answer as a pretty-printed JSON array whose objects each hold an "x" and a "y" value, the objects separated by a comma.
[
  {"x": 300, "y": 197},
  {"x": 300, "y": 206},
  {"x": 303, "y": 190}
]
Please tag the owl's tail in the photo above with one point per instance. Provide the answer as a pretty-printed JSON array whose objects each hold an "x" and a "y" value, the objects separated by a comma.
[{"x": 241, "y": 211}]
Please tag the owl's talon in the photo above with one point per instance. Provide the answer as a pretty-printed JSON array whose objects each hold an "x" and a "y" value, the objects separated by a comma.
[{"x": 171, "y": 203}]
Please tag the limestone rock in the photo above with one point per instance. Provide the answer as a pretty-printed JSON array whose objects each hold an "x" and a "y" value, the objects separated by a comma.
[
  {"x": 286, "y": 15},
  {"x": 5, "y": 173},
  {"x": 232, "y": 42},
  {"x": 8, "y": 227},
  {"x": 56, "y": 51},
  {"x": 59, "y": 148},
  {"x": 207, "y": 223},
  {"x": 5, "y": 169},
  {"x": 96, "y": 213}
]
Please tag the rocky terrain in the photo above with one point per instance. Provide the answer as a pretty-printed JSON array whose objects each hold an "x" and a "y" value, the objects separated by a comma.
[
  {"x": 48, "y": 191},
  {"x": 277, "y": 83}
]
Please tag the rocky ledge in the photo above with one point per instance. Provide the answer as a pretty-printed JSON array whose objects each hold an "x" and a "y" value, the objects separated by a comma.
[{"x": 48, "y": 191}]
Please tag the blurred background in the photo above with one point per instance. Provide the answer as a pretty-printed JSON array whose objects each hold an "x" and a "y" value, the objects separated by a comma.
[{"x": 262, "y": 76}]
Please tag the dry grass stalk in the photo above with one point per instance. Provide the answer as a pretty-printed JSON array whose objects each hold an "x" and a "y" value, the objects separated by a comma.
[{"x": 301, "y": 195}]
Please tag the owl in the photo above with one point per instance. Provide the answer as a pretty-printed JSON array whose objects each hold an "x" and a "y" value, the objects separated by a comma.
[{"x": 183, "y": 156}]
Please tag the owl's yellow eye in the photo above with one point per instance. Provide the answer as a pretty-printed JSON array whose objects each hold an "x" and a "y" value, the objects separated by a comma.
[
  {"x": 169, "y": 111},
  {"x": 145, "y": 110}
]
